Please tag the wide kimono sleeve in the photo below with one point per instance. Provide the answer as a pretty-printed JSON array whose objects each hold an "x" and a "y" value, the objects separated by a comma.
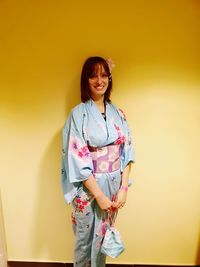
[
  {"x": 128, "y": 150},
  {"x": 76, "y": 159}
]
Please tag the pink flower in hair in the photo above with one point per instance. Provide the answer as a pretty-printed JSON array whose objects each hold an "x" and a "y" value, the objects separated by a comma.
[{"x": 110, "y": 63}]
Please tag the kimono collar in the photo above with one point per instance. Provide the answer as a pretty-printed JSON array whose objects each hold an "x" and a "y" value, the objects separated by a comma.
[
  {"x": 96, "y": 114},
  {"x": 93, "y": 106},
  {"x": 108, "y": 125}
]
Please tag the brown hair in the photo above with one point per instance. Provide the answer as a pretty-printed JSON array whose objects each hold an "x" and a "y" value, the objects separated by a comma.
[{"x": 87, "y": 72}]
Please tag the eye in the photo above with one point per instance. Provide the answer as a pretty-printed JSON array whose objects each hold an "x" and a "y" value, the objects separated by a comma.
[
  {"x": 104, "y": 75},
  {"x": 92, "y": 75}
]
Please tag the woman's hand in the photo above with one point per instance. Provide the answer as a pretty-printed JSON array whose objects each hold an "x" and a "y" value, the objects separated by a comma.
[
  {"x": 104, "y": 202},
  {"x": 120, "y": 199}
]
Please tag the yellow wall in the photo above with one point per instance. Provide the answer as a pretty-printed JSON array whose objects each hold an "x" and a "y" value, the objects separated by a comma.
[{"x": 155, "y": 45}]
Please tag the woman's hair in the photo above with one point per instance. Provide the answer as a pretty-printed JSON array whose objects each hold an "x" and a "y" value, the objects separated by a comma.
[{"x": 87, "y": 72}]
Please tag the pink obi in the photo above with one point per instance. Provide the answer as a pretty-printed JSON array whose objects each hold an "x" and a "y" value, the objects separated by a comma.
[{"x": 106, "y": 158}]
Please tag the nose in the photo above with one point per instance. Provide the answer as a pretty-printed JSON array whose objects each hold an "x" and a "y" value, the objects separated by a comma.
[{"x": 99, "y": 79}]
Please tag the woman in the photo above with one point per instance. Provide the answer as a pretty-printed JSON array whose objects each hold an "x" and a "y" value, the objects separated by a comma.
[{"x": 97, "y": 154}]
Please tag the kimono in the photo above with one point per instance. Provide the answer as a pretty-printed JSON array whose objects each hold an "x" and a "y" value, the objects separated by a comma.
[{"x": 98, "y": 146}]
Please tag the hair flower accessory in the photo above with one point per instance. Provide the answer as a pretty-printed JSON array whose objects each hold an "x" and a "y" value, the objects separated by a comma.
[{"x": 110, "y": 63}]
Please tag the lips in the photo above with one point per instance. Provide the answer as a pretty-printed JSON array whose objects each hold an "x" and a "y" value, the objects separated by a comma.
[{"x": 99, "y": 87}]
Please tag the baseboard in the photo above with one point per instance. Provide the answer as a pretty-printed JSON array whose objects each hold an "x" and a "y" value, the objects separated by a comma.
[
  {"x": 37, "y": 264},
  {"x": 52, "y": 264}
]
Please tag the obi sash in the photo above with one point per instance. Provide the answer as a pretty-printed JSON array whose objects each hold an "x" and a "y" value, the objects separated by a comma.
[{"x": 106, "y": 159}]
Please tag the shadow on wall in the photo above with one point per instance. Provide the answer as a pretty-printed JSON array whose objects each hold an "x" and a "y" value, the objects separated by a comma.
[
  {"x": 52, "y": 234},
  {"x": 52, "y": 227}
]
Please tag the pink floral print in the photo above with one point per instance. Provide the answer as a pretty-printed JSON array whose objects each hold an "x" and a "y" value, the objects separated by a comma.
[
  {"x": 121, "y": 138},
  {"x": 121, "y": 112},
  {"x": 76, "y": 147},
  {"x": 101, "y": 232},
  {"x": 81, "y": 202}
]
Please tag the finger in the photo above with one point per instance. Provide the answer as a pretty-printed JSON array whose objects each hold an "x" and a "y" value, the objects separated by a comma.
[
  {"x": 118, "y": 205},
  {"x": 106, "y": 210},
  {"x": 121, "y": 205}
]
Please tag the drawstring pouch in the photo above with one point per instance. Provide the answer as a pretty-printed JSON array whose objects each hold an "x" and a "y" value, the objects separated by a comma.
[{"x": 112, "y": 245}]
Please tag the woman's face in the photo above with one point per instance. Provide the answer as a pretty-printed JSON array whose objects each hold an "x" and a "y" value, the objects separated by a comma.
[{"x": 98, "y": 82}]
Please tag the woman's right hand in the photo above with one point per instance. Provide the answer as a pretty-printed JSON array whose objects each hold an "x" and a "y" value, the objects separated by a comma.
[{"x": 104, "y": 202}]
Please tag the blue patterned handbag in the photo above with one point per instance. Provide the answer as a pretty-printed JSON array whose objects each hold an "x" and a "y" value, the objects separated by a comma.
[{"x": 112, "y": 244}]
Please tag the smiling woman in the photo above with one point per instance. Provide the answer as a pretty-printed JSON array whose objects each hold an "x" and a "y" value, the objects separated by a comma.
[
  {"x": 96, "y": 79},
  {"x": 97, "y": 154}
]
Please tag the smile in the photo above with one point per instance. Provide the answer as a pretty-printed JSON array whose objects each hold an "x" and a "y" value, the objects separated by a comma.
[{"x": 99, "y": 87}]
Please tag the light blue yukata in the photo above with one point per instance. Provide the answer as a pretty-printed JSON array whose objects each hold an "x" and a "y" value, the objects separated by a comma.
[{"x": 102, "y": 147}]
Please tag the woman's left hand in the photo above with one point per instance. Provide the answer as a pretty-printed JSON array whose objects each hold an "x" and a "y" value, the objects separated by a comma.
[{"x": 120, "y": 199}]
